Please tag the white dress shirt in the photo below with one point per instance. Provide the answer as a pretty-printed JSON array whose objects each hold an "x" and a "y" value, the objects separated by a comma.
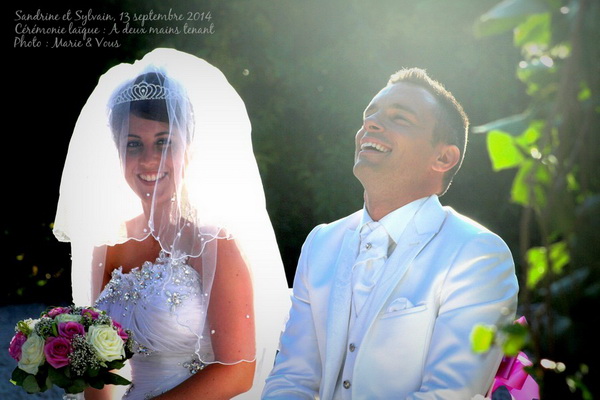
[{"x": 378, "y": 240}]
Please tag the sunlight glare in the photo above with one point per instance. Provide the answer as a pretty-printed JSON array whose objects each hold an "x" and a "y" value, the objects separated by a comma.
[{"x": 547, "y": 61}]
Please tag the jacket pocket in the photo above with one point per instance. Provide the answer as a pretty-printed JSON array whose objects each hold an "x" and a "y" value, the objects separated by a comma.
[{"x": 411, "y": 310}]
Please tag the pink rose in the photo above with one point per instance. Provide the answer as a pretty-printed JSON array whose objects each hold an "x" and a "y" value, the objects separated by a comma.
[
  {"x": 57, "y": 350},
  {"x": 14, "y": 349},
  {"x": 121, "y": 331},
  {"x": 70, "y": 329},
  {"x": 57, "y": 311},
  {"x": 88, "y": 312}
]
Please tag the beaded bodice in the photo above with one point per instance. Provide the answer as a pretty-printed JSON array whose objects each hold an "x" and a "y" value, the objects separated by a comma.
[
  {"x": 172, "y": 279},
  {"x": 162, "y": 304}
]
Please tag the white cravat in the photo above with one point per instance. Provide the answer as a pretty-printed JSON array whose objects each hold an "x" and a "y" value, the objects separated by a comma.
[
  {"x": 373, "y": 252},
  {"x": 377, "y": 241}
]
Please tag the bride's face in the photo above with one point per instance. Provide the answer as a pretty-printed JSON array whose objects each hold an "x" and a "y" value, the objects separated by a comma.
[{"x": 153, "y": 159}]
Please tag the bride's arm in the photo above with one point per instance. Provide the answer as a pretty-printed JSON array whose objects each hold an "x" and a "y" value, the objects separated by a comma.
[
  {"x": 95, "y": 394},
  {"x": 215, "y": 382},
  {"x": 231, "y": 319}
]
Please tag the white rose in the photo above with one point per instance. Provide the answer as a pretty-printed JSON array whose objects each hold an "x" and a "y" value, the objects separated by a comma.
[
  {"x": 30, "y": 323},
  {"x": 32, "y": 354},
  {"x": 107, "y": 342},
  {"x": 67, "y": 318}
]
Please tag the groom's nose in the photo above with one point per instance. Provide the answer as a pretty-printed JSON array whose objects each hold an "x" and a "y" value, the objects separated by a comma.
[{"x": 372, "y": 124}]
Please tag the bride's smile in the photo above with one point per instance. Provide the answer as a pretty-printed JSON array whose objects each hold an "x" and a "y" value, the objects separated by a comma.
[
  {"x": 153, "y": 159},
  {"x": 152, "y": 177}
]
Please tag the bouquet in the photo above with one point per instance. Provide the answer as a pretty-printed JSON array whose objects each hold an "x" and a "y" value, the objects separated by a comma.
[{"x": 70, "y": 347}]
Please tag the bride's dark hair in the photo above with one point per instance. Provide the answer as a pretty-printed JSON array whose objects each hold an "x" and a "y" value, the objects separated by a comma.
[{"x": 151, "y": 96}]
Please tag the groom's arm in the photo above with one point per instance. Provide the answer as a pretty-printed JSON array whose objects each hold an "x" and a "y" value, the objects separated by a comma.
[
  {"x": 297, "y": 371},
  {"x": 480, "y": 288}
]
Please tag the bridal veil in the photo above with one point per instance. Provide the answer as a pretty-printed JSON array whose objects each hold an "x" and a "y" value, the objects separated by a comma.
[{"x": 214, "y": 190}]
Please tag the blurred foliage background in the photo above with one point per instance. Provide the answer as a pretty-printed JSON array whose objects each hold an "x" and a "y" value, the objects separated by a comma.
[{"x": 526, "y": 71}]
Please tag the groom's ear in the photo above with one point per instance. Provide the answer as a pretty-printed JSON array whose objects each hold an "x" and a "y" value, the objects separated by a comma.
[{"x": 447, "y": 157}]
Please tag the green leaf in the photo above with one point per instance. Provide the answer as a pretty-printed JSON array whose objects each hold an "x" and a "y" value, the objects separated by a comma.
[
  {"x": 48, "y": 383},
  {"x": 507, "y": 15},
  {"x": 96, "y": 383},
  {"x": 572, "y": 183},
  {"x": 115, "y": 379},
  {"x": 30, "y": 385},
  {"x": 538, "y": 265},
  {"x": 59, "y": 377},
  {"x": 18, "y": 376},
  {"x": 516, "y": 337},
  {"x": 116, "y": 364},
  {"x": 536, "y": 29},
  {"x": 513, "y": 345},
  {"x": 584, "y": 93},
  {"x": 77, "y": 386},
  {"x": 529, "y": 184},
  {"x": 503, "y": 152},
  {"x": 530, "y": 135},
  {"x": 24, "y": 328},
  {"x": 559, "y": 256},
  {"x": 537, "y": 258},
  {"x": 482, "y": 338}
]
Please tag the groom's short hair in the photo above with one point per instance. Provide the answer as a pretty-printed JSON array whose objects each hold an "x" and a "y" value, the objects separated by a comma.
[{"x": 452, "y": 124}]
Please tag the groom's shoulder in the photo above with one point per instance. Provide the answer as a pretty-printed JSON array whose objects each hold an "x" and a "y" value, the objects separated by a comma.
[
  {"x": 322, "y": 241},
  {"x": 458, "y": 221},
  {"x": 337, "y": 228},
  {"x": 349, "y": 222}
]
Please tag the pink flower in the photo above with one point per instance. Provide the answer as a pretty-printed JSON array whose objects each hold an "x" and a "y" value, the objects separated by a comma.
[
  {"x": 70, "y": 329},
  {"x": 121, "y": 331},
  {"x": 57, "y": 311},
  {"x": 57, "y": 350},
  {"x": 14, "y": 349},
  {"x": 88, "y": 312}
]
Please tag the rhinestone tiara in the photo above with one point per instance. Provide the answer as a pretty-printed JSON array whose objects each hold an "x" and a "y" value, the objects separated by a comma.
[{"x": 144, "y": 91}]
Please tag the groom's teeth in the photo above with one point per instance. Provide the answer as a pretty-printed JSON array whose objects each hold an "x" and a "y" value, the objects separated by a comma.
[
  {"x": 374, "y": 146},
  {"x": 152, "y": 177}
]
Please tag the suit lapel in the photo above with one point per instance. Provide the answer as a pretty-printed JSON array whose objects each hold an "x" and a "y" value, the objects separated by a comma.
[
  {"x": 422, "y": 228},
  {"x": 338, "y": 313}
]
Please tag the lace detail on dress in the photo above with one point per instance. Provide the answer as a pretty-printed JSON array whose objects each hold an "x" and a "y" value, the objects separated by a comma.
[
  {"x": 172, "y": 278},
  {"x": 164, "y": 306}
]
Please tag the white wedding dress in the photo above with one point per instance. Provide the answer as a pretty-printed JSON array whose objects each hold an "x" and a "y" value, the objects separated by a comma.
[{"x": 162, "y": 304}]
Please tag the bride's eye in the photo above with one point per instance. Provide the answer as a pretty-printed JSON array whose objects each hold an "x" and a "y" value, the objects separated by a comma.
[
  {"x": 133, "y": 143},
  {"x": 163, "y": 142},
  {"x": 134, "y": 146}
]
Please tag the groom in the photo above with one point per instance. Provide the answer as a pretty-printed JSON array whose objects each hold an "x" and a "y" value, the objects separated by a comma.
[{"x": 385, "y": 299}]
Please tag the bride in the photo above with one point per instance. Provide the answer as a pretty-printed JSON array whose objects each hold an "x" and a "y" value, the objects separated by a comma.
[{"x": 162, "y": 202}]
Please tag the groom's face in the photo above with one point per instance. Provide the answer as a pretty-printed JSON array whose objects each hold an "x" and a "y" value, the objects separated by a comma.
[{"x": 395, "y": 146}]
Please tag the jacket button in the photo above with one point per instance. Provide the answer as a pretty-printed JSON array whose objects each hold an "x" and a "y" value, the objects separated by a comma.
[
  {"x": 352, "y": 347},
  {"x": 347, "y": 384}
]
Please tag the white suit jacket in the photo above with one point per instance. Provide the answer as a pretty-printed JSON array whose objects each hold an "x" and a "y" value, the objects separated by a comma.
[{"x": 412, "y": 338}]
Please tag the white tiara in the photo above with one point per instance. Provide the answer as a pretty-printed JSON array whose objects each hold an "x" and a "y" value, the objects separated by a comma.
[{"x": 144, "y": 91}]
